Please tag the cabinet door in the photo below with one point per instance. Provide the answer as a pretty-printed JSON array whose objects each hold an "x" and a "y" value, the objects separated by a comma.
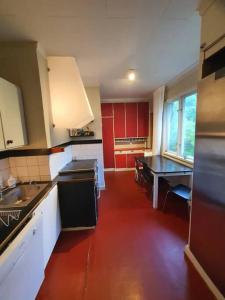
[
  {"x": 51, "y": 223},
  {"x": 2, "y": 142},
  {"x": 108, "y": 142},
  {"x": 22, "y": 263},
  {"x": 11, "y": 114},
  {"x": 121, "y": 161},
  {"x": 131, "y": 160},
  {"x": 143, "y": 119},
  {"x": 131, "y": 119},
  {"x": 119, "y": 120},
  {"x": 107, "y": 109}
]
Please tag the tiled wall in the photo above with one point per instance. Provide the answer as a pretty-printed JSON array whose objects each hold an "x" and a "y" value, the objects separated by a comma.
[
  {"x": 91, "y": 151},
  {"x": 4, "y": 170},
  {"x": 43, "y": 168},
  {"x": 28, "y": 168}
]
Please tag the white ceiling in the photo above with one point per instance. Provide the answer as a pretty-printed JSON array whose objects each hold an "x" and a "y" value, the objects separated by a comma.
[{"x": 158, "y": 38}]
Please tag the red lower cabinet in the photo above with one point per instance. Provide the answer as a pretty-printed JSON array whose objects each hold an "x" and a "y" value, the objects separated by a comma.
[
  {"x": 131, "y": 160},
  {"x": 121, "y": 161}
]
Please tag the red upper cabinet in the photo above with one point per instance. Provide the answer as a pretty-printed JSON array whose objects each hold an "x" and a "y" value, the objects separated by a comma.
[
  {"x": 107, "y": 109},
  {"x": 108, "y": 142},
  {"x": 119, "y": 120},
  {"x": 143, "y": 119},
  {"x": 131, "y": 119}
]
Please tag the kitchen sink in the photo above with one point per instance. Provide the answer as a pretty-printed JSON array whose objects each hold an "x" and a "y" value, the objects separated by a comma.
[{"x": 21, "y": 195}]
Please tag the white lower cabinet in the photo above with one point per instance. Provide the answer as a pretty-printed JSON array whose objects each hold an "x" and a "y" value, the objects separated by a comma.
[
  {"x": 23, "y": 263},
  {"x": 51, "y": 222}
]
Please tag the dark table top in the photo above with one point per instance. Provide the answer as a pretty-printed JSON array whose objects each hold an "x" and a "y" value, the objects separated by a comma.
[{"x": 161, "y": 164}]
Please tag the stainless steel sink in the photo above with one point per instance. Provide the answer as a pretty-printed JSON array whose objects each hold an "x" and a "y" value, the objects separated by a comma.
[{"x": 21, "y": 195}]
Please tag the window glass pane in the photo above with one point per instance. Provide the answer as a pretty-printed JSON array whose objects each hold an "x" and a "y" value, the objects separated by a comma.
[
  {"x": 189, "y": 119},
  {"x": 172, "y": 132}
]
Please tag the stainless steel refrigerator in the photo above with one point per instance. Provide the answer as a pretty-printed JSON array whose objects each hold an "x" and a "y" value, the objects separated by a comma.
[{"x": 207, "y": 233}]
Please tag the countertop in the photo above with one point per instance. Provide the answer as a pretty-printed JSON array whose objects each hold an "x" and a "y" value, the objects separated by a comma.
[
  {"x": 8, "y": 233},
  {"x": 84, "y": 170}
]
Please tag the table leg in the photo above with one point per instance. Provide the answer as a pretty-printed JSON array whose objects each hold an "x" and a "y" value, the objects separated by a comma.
[{"x": 155, "y": 192}]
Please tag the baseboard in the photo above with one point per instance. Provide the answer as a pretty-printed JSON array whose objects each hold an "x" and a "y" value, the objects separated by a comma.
[
  {"x": 124, "y": 169},
  {"x": 77, "y": 228},
  {"x": 203, "y": 274},
  {"x": 119, "y": 170}
]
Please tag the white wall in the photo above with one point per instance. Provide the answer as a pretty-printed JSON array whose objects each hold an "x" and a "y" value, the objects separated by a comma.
[
  {"x": 58, "y": 160},
  {"x": 182, "y": 84}
]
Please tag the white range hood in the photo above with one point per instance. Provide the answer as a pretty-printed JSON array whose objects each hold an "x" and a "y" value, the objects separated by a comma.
[{"x": 70, "y": 105}]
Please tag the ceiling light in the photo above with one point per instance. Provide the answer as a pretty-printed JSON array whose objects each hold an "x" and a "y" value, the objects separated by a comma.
[{"x": 131, "y": 75}]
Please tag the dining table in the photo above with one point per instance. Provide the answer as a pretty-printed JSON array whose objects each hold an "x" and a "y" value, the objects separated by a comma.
[{"x": 161, "y": 166}]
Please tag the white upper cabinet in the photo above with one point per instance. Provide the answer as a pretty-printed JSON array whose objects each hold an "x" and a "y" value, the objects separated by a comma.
[
  {"x": 2, "y": 142},
  {"x": 213, "y": 23},
  {"x": 12, "y": 133},
  {"x": 70, "y": 105}
]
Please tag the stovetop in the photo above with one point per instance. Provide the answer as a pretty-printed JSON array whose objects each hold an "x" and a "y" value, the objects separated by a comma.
[{"x": 79, "y": 166}]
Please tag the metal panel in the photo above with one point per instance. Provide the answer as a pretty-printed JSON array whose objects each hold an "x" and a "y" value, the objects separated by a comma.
[{"x": 207, "y": 241}]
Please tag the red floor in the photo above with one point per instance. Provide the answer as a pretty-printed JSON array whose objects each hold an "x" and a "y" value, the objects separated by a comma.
[{"x": 135, "y": 253}]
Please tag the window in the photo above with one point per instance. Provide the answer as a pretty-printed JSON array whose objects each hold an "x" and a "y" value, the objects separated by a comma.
[
  {"x": 173, "y": 109},
  {"x": 180, "y": 127}
]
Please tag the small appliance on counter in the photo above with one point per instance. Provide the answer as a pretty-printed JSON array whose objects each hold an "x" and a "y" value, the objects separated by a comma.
[
  {"x": 78, "y": 195},
  {"x": 81, "y": 132}
]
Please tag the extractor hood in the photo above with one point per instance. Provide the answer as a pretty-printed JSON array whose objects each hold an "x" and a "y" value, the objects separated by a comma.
[{"x": 70, "y": 105}]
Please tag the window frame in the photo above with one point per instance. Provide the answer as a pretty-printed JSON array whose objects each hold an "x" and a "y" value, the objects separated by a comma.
[{"x": 178, "y": 154}]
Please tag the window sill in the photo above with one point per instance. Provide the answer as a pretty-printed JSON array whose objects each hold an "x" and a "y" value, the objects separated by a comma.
[{"x": 179, "y": 159}]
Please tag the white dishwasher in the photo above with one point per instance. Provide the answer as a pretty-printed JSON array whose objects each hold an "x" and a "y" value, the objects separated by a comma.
[{"x": 22, "y": 263}]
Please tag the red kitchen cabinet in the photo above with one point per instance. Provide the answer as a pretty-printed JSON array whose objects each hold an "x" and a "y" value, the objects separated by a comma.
[
  {"x": 108, "y": 142},
  {"x": 121, "y": 161},
  {"x": 131, "y": 119},
  {"x": 143, "y": 119},
  {"x": 107, "y": 109},
  {"x": 131, "y": 160},
  {"x": 119, "y": 120}
]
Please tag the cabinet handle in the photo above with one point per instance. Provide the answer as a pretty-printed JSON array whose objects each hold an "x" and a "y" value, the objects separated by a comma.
[{"x": 9, "y": 142}]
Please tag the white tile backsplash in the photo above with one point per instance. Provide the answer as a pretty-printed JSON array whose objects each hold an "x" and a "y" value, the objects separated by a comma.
[
  {"x": 33, "y": 170},
  {"x": 21, "y": 161},
  {"x": 43, "y": 160},
  {"x": 44, "y": 170},
  {"x": 22, "y": 171},
  {"x": 26, "y": 168},
  {"x": 46, "y": 167},
  {"x": 32, "y": 160},
  {"x": 4, "y": 170}
]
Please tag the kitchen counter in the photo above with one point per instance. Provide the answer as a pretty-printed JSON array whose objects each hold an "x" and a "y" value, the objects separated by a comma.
[
  {"x": 8, "y": 233},
  {"x": 130, "y": 149}
]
